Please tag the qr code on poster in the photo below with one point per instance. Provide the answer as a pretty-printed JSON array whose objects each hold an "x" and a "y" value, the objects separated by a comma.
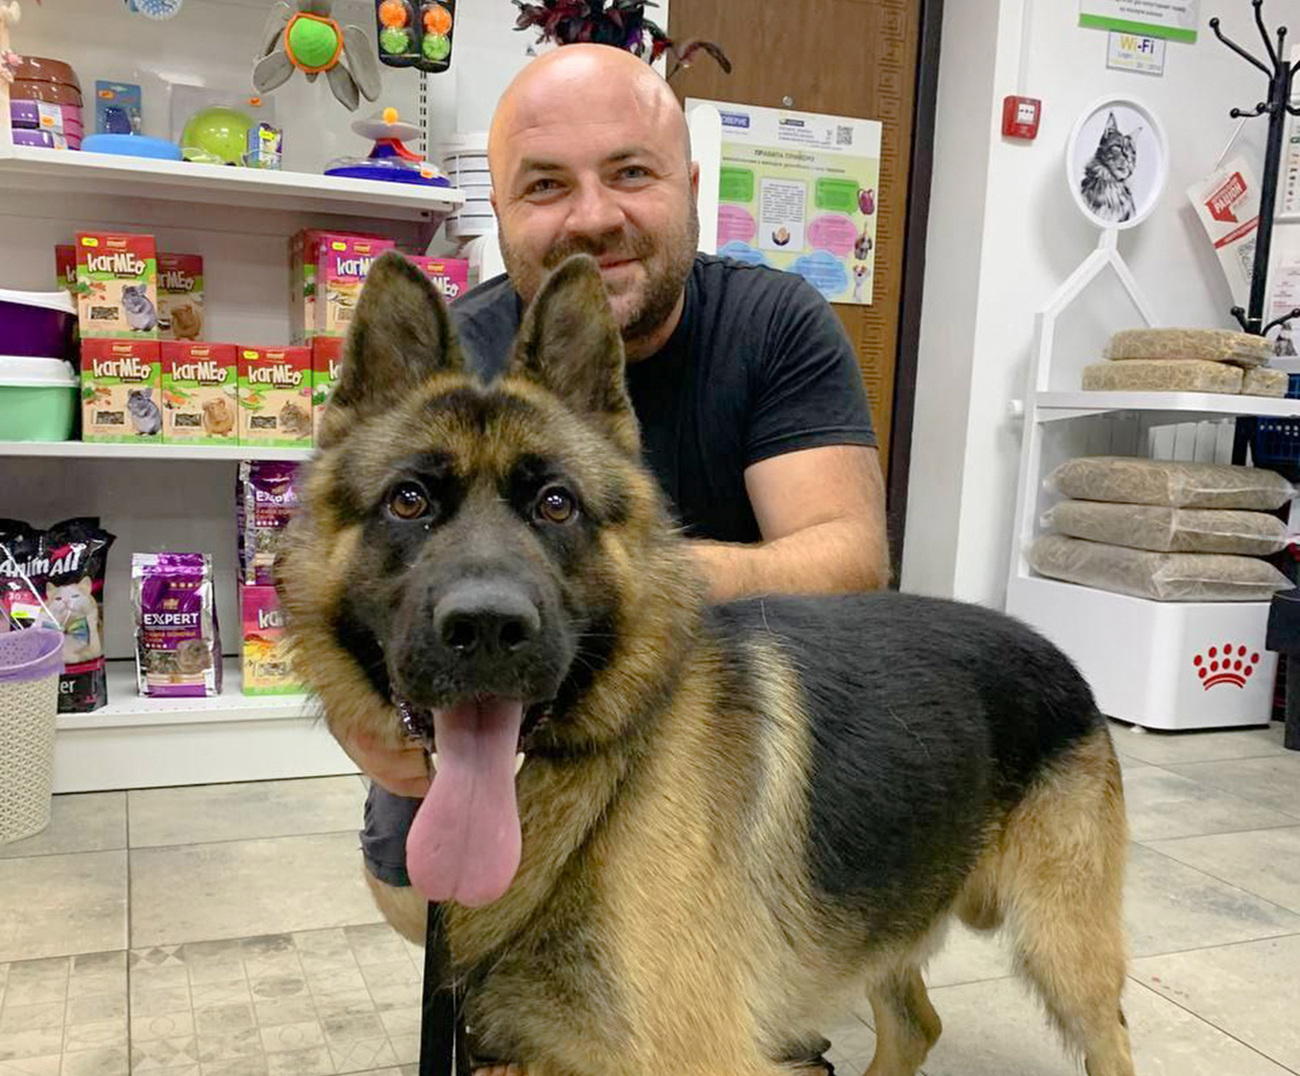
[{"x": 844, "y": 136}]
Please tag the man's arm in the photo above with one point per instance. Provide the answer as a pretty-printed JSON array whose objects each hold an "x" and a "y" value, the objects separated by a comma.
[{"x": 821, "y": 512}]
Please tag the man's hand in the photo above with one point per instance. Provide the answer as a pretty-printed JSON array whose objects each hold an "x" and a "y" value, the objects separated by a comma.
[{"x": 403, "y": 771}]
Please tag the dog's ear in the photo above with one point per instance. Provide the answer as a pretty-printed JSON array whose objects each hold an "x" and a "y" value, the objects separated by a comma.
[
  {"x": 570, "y": 343},
  {"x": 400, "y": 336}
]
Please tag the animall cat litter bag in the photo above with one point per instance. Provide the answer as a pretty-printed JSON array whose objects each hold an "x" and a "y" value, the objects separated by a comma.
[
  {"x": 1187, "y": 577},
  {"x": 177, "y": 642},
  {"x": 1128, "y": 480},
  {"x": 63, "y": 568}
]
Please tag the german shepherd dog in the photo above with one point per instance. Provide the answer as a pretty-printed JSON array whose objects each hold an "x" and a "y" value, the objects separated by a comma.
[{"x": 727, "y": 819}]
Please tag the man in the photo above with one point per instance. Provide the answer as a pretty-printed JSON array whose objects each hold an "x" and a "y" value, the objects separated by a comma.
[{"x": 751, "y": 404}]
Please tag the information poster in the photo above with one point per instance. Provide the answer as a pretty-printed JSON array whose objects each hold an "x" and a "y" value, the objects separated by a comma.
[
  {"x": 1174, "y": 20},
  {"x": 800, "y": 192}
]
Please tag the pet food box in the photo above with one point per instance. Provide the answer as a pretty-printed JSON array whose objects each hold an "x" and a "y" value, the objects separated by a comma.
[
  {"x": 65, "y": 267},
  {"x": 341, "y": 268},
  {"x": 326, "y": 366},
  {"x": 200, "y": 392},
  {"x": 264, "y": 658},
  {"x": 449, "y": 275},
  {"x": 117, "y": 286},
  {"x": 180, "y": 296},
  {"x": 275, "y": 387},
  {"x": 121, "y": 391},
  {"x": 304, "y": 255}
]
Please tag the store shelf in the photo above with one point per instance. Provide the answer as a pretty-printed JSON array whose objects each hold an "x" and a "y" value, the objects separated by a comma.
[
  {"x": 137, "y": 742},
  {"x": 1061, "y": 405},
  {"x": 145, "y": 451},
  {"x": 127, "y": 708},
  {"x": 51, "y": 171}
]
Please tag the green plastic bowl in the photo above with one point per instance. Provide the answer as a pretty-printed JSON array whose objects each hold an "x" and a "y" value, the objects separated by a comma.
[{"x": 38, "y": 399}]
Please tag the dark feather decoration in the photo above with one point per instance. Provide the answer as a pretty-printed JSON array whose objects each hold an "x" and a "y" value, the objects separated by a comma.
[{"x": 620, "y": 23}]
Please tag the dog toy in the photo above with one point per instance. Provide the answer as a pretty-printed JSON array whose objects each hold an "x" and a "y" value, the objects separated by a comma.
[
  {"x": 415, "y": 33},
  {"x": 389, "y": 159},
  {"x": 303, "y": 37}
]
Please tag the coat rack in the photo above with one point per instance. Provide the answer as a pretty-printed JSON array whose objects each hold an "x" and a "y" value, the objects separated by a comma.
[{"x": 1277, "y": 107}]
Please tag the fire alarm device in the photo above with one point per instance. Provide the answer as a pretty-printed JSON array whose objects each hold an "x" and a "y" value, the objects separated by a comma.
[{"x": 1020, "y": 116}]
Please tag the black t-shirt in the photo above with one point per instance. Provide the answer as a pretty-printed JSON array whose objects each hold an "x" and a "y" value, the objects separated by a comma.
[{"x": 759, "y": 366}]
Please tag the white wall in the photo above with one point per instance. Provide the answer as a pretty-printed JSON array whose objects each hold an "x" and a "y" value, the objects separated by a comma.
[{"x": 1004, "y": 233}]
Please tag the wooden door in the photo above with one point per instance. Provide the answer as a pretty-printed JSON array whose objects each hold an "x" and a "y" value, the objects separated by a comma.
[{"x": 847, "y": 57}]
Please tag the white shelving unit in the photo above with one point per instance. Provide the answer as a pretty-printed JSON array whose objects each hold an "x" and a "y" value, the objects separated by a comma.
[
  {"x": 71, "y": 172},
  {"x": 1137, "y": 654},
  {"x": 137, "y": 742},
  {"x": 83, "y": 450},
  {"x": 157, "y": 497}
]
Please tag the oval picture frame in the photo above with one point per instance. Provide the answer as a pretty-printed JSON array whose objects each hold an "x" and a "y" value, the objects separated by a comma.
[{"x": 1117, "y": 162}]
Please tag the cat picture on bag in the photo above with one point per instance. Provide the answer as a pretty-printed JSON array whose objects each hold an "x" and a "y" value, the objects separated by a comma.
[{"x": 77, "y": 612}]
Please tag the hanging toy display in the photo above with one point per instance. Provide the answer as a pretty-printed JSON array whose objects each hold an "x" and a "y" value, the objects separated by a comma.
[
  {"x": 303, "y": 37},
  {"x": 415, "y": 34},
  {"x": 389, "y": 160}
]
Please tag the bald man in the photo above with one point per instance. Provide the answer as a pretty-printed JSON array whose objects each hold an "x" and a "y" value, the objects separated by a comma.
[{"x": 752, "y": 408}]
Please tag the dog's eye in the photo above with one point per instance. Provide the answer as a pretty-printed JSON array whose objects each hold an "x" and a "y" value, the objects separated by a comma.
[
  {"x": 556, "y": 505},
  {"x": 408, "y": 501}
]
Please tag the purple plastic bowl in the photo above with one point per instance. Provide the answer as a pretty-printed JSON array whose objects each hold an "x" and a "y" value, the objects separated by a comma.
[
  {"x": 32, "y": 654},
  {"x": 37, "y": 324}
]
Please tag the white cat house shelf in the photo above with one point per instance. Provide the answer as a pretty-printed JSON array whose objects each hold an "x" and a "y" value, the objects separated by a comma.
[{"x": 1139, "y": 656}]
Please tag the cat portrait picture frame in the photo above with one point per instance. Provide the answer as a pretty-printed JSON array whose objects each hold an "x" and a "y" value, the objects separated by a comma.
[{"x": 1117, "y": 162}]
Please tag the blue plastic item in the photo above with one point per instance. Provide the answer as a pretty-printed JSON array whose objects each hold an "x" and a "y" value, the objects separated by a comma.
[
  {"x": 128, "y": 145},
  {"x": 1277, "y": 440},
  {"x": 387, "y": 175}
]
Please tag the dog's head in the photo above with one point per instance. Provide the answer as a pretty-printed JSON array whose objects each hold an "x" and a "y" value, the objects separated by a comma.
[{"x": 473, "y": 557}]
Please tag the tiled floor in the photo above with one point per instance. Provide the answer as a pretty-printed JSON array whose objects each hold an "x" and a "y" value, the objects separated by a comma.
[{"x": 226, "y": 931}]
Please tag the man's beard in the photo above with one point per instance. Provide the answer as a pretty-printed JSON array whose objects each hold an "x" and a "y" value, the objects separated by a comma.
[{"x": 660, "y": 290}]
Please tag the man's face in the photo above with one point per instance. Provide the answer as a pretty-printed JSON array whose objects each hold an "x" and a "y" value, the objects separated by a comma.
[{"x": 602, "y": 177}]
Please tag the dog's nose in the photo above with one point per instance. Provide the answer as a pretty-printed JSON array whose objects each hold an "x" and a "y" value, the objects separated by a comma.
[{"x": 486, "y": 618}]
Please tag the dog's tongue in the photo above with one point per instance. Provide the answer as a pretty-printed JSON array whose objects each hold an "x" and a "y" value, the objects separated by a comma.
[{"x": 464, "y": 843}]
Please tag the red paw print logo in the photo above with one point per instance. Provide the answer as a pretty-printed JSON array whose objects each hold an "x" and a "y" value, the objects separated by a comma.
[{"x": 1225, "y": 665}]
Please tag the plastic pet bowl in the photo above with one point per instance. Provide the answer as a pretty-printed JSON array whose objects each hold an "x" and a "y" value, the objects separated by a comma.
[
  {"x": 37, "y": 323},
  {"x": 38, "y": 399}
]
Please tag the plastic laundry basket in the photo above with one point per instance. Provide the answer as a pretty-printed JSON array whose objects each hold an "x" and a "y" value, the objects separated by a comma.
[{"x": 30, "y": 663}]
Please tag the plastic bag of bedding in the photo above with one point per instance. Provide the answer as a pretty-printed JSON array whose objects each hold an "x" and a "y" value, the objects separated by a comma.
[
  {"x": 1170, "y": 530},
  {"x": 1170, "y": 484},
  {"x": 1166, "y": 577},
  {"x": 1206, "y": 345}
]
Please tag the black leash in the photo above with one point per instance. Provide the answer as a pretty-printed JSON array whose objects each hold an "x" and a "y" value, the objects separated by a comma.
[{"x": 443, "y": 1050}]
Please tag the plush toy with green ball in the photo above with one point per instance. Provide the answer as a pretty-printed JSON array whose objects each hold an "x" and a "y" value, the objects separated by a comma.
[{"x": 303, "y": 37}]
